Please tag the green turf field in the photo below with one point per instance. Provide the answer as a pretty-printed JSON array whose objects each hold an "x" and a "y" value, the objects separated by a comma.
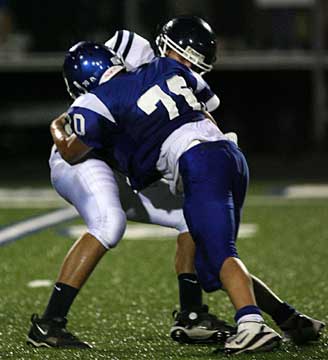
[{"x": 125, "y": 308}]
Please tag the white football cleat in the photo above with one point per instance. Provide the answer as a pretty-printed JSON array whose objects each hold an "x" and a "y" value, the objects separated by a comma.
[{"x": 252, "y": 337}]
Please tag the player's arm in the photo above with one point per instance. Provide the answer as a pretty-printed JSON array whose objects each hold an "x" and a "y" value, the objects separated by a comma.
[
  {"x": 204, "y": 94},
  {"x": 133, "y": 48},
  {"x": 232, "y": 136},
  {"x": 210, "y": 117},
  {"x": 70, "y": 147}
]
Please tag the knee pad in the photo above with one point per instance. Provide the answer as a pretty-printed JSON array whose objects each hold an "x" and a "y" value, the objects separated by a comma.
[{"x": 109, "y": 228}]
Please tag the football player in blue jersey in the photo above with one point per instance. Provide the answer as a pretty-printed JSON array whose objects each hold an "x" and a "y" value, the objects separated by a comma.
[
  {"x": 153, "y": 128},
  {"x": 98, "y": 194},
  {"x": 283, "y": 311},
  {"x": 151, "y": 124}
]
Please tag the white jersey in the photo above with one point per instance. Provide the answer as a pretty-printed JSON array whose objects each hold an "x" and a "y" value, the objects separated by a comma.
[
  {"x": 179, "y": 142},
  {"x": 136, "y": 51}
]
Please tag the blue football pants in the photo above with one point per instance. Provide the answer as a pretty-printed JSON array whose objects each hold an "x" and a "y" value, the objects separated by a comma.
[{"x": 215, "y": 178}]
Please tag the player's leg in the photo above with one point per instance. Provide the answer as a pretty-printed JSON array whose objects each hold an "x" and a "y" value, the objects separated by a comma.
[
  {"x": 50, "y": 329},
  {"x": 212, "y": 174},
  {"x": 193, "y": 323},
  {"x": 156, "y": 205},
  {"x": 233, "y": 271},
  {"x": 296, "y": 326},
  {"x": 91, "y": 188},
  {"x": 80, "y": 261},
  {"x": 190, "y": 292},
  {"x": 165, "y": 209},
  {"x": 239, "y": 193}
]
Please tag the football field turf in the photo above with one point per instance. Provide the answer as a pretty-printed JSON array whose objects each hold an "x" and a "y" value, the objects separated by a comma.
[{"x": 125, "y": 308}]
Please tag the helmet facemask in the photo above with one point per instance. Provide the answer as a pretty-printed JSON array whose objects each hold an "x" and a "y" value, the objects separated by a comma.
[
  {"x": 164, "y": 43},
  {"x": 191, "y": 38}
]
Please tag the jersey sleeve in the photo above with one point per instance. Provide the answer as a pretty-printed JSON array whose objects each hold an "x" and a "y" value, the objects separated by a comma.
[
  {"x": 134, "y": 49},
  {"x": 205, "y": 95},
  {"x": 87, "y": 115}
]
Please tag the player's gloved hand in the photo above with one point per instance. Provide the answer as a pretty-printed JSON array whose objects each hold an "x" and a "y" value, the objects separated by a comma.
[{"x": 232, "y": 136}]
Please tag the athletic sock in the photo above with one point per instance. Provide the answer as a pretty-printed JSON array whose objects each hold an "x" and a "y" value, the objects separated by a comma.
[
  {"x": 248, "y": 313},
  {"x": 190, "y": 292},
  {"x": 282, "y": 312},
  {"x": 60, "y": 301}
]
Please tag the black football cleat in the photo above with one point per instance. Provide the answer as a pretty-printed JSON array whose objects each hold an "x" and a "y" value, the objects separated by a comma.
[
  {"x": 52, "y": 333},
  {"x": 199, "y": 327},
  {"x": 301, "y": 329}
]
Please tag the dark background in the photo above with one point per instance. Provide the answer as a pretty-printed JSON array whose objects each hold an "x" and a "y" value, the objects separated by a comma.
[{"x": 271, "y": 76}]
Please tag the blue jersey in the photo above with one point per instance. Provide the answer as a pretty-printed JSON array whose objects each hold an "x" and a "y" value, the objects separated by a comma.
[{"x": 127, "y": 118}]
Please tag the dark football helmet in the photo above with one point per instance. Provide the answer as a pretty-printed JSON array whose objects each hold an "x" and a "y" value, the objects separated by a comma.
[
  {"x": 192, "y": 38},
  {"x": 88, "y": 64}
]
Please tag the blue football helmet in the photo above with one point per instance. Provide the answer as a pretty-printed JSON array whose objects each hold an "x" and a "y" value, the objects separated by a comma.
[{"x": 87, "y": 65}]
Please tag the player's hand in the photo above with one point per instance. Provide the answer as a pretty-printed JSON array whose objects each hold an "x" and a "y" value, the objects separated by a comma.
[{"x": 232, "y": 136}]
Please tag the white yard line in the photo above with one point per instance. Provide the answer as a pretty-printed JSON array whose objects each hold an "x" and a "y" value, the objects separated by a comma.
[
  {"x": 39, "y": 283},
  {"x": 22, "y": 228},
  {"x": 48, "y": 198},
  {"x": 306, "y": 191},
  {"x": 30, "y": 198},
  {"x": 153, "y": 232},
  {"x": 133, "y": 231}
]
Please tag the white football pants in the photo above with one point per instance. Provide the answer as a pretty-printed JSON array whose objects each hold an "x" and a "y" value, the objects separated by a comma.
[{"x": 105, "y": 200}]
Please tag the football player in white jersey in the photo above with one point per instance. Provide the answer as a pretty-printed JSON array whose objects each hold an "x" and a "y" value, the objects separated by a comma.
[{"x": 107, "y": 227}]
